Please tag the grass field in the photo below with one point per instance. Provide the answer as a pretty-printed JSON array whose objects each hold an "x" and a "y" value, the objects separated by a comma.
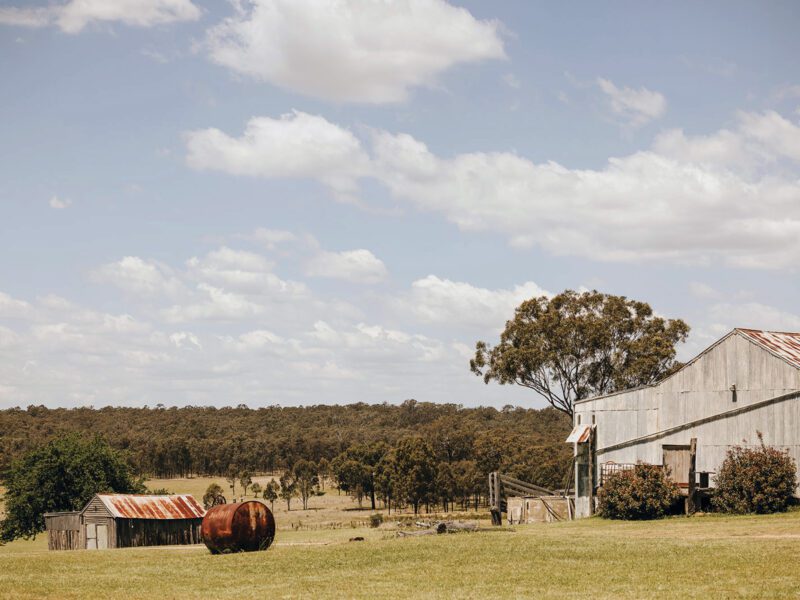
[{"x": 705, "y": 556}]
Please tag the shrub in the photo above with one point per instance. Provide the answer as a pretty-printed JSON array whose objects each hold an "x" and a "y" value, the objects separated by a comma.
[
  {"x": 644, "y": 492},
  {"x": 755, "y": 480},
  {"x": 375, "y": 520}
]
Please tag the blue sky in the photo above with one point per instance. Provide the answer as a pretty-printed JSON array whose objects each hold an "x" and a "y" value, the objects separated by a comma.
[{"x": 277, "y": 202}]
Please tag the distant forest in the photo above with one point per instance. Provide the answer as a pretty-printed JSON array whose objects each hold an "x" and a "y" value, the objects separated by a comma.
[{"x": 182, "y": 442}]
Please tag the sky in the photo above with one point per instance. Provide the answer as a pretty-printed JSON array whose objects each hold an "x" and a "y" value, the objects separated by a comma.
[{"x": 303, "y": 202}]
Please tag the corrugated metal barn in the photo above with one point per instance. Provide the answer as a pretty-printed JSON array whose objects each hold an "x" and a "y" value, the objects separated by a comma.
[
  {"x": 127, "y": 520},
  {"x": 747, "y": 382}
]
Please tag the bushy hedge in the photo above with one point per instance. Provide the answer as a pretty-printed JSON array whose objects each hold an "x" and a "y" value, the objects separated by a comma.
[
  {"x": 644, "y": 492},
  {"x": 755, "y": 480}
]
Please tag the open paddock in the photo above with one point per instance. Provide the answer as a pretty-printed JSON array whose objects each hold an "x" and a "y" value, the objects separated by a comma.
[{"x": 701, "y": 557}]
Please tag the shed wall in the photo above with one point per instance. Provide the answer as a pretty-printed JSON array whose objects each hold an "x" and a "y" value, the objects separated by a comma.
[
  {"x": 157, "y": 532},
  {"x": 63, "y": 531}
]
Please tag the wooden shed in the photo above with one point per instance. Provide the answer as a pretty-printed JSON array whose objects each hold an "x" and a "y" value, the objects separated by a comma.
[
  {"x": 746, "y": 383},
  {"x": 127, "y": 520},
  {"x": 63, "y": 530}
]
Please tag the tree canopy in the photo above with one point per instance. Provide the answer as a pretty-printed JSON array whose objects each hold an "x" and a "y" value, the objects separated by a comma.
[
  {"x": 577, "y": 345},
  {"x": 61, "y": 475}
]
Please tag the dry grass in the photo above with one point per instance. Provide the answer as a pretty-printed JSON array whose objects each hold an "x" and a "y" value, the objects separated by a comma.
[
  {"x": 705, "y": 556},
  {"x": 331, "y": 510}
]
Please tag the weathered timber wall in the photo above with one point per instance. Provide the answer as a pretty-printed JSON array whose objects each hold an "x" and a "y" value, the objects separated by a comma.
[
  {"x": 698, "y": 391},
  {"x": 63, "y": 531},
  {"x": 157, "y": 532}
]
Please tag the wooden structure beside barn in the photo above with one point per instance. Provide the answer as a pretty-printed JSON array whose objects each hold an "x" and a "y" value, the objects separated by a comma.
[
  {"x": 127, "y": 520},
  {"x": 538, "y": 509},
  {"x": 746, "y": 383},
  {"x": 63, "y": 530}
]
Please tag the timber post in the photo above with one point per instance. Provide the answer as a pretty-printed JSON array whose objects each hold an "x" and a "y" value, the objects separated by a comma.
[
  {"x": 690, "y": 499},
  {"x": 591, "y": 472}
]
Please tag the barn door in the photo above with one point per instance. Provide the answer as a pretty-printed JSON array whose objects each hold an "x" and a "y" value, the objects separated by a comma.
[
  {"x": 91, "y": 536},
  {"x": 677, "y": 460},
  {"x": 102, "y": 537}
]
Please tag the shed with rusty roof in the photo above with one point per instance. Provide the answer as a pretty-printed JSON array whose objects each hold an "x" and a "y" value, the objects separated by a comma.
[
  {"x": 745, "y": 384},
  {"x": 127, "y": 520}
]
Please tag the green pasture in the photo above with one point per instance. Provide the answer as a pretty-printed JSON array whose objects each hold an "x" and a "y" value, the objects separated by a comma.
[{"x": 698, "y": 557}]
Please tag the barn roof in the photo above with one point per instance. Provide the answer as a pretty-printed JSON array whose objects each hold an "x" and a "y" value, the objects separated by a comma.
[
  {"x": 782, "y": 344},
  {"x": 133, "y": 506}
]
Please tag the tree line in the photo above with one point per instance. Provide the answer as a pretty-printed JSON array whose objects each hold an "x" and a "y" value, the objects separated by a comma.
[{"x": 367, "y": 449}]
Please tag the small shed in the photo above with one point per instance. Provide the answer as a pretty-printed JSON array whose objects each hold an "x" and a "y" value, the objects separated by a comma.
[
  {"x": 63, "y": 530},
  {"x": 127, "y": 520}
]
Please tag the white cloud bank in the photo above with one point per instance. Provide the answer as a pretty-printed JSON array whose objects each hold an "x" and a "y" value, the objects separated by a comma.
[
  {"x": 461, "y": 304},
  {"x": 75, "y": 15},
  {"x": 351, "y": 51},
  {"x": 685, "y": 200},
  {"x": 207, "y": 332}
]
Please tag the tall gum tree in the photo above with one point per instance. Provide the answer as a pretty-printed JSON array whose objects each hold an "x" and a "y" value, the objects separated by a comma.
[{"x": 577, "y": 345}]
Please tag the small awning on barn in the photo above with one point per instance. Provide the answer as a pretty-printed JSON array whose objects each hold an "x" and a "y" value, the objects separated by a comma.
[
  {"x": 580, "y": 434},
  {"x": 133, "y": 506}
]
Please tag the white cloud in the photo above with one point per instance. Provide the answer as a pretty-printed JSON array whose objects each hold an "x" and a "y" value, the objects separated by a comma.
[
  {"x": 348, "y": 50},
  {"x": 356, "y": 266},
  {"x": 7, "y": 337},
  {"x": 683, "y": 201},
  {"x": 271, "y": 238},
  {"x": 775, "y": 133},
  {"x": 636, "y": 107},
  {"x": 702, "y": 290},
  {"x": 756, "y": 315},
  {"x": 640, "y": 207},
  {"x": 141, "y": 277},
  {"x": 295, "y": 145},
  {"x": 185, "y": 339},
  {"x": 215, "y": 304},
  {"x": 242, "y": 271},
  {"x": 75, "y": 15},
  {"x": 512, "y": 81},
  {"x": 443, "y": 301},
  {"x": 60, "y": 203},
  {"x": 257, "y": 339},
  {"x": 11, "y": 308}
]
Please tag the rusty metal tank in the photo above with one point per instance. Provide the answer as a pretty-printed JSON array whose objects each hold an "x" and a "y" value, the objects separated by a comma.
[{"x": 238, "y": 527}]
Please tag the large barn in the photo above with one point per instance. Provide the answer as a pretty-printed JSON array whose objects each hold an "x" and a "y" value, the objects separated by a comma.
[
  {"x": 125, "y": 520},
  {"x": 746, "y": 383}
]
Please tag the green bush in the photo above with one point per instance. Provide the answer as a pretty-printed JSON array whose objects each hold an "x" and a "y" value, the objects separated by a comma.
[
  {"x": 755, "y": 480},
  {"x": 375, "y": 520},
  {"x": 644, "y": 492}
]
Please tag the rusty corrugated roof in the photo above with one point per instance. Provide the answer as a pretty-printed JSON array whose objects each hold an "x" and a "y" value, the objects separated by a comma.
[
  {"x": 580, "y": 434},
  {"x": 781, "y": 343},
  {"x": 133, "y": 506}
]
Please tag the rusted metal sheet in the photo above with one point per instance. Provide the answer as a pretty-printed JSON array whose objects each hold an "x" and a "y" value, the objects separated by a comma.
[
  {"x": 132, "y": 506},
  {"x": 580, "y": 434},
  {"x": 784, "y": 344},
  {"x": 239, "y": 527}
]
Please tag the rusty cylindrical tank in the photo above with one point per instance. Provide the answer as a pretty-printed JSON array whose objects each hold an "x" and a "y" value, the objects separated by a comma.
[{"x": 238, "y": 527}]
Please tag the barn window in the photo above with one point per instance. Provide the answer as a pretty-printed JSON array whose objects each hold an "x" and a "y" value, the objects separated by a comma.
[
  {"x": 733, "y": 393},
  {"x": 579, "y": 420},
  {"x": 594, "y": 420}
]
